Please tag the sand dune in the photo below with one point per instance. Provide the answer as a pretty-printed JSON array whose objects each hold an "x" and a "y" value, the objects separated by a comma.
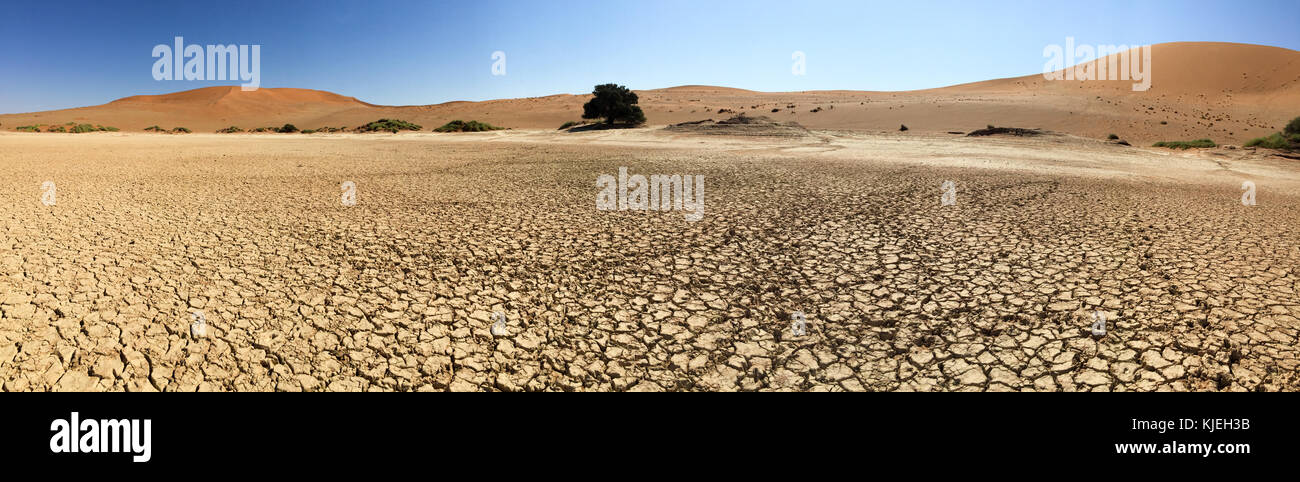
[{"x": 1226, "y": 92}]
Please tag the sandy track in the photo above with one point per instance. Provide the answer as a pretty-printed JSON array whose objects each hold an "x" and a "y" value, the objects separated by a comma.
[{"x": 396, "y": 293}]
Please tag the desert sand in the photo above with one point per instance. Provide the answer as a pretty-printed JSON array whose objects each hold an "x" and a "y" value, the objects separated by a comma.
[{"x": 1226, "y": 92}]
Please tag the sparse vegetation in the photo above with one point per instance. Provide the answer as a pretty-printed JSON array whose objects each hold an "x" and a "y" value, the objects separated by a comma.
[
  {"x": 180, "y": 130},
  {"x": 230, "y": 130},
  {"x": 1199, "y": 143},
  {"x": 1112, "y": 137},
  {"x": 1287, "y": 140},
  {"x": 155, "y": 129},
  {"x": 309, "y": 131},
  {"x": 389, "y": 125},
  {"x": 31, "y": 128},
  {"x": 80, "y": 128},
  {"x": 470, "y": 126},
  {"x": 57, "y": 129},
  {"x": 614, "y": 103},
  {"x": 1277, "y": 141}
]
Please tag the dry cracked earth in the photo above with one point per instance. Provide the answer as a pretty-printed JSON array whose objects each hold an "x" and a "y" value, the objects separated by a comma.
[{"x": 301, "y": 293}]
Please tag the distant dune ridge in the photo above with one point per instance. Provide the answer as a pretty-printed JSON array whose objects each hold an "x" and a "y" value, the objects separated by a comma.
[{"x": 1222, "y": 91}]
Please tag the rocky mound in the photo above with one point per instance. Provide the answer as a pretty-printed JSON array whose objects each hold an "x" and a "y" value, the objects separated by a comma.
[{"x": 1005, "y": 131}]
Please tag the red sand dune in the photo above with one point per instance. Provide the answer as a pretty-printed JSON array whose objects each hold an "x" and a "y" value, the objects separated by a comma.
[{"x": 1226, "y": 92}]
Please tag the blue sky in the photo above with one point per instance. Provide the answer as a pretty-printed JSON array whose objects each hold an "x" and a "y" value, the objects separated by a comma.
[{"x": 70, "y": 54}]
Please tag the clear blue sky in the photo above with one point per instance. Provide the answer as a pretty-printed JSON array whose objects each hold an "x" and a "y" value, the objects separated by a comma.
[{"x": 69, "y": 54}]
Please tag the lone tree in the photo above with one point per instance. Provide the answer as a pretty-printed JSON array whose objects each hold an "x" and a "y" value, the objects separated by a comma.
[{"x": 615, "y": 103}]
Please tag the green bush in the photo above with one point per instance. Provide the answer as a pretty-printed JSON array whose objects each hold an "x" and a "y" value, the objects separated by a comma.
[
  {"x": 1199, "y": 143},
  {"x": 309, "y": 131},
  {"x": 230, "y": 130},
  {"x": 180, "y": 130},
  {"x": 1293, "y": 128},
  {"x": 614, "y": 103},
  {"x": 57, "y": 129},
  {"x": 34, "y": 128},
  {"x": 463, "y": 126},
  {"x": 154, "y": 128},
  {"x": 389, "y": 125},
  {"x": 80, "y": 128},
  {"x": 1112, "y": 137},
  {"x": 1276, "y": 141},
  {"x": 288, "y": 129}
]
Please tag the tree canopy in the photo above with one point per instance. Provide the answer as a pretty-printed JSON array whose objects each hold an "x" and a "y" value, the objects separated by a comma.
[{"x": 614, "y": 103}]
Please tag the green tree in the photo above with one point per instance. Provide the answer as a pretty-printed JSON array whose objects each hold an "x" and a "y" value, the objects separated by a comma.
[{"x": 614, "y": 103}]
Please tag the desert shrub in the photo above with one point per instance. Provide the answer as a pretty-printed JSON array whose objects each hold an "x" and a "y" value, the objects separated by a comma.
[
  {"x": 34, "y": 128},
  {"x": 230, "y": 130},
  {"x": 568, "y": 124},
  {"x": 287, "y": 129},
  {"x": 1199, "y": 143},
  {"x": 80, "y": 128},
  {"x": 1112, "y": 137},
  {"x": 614, "y": 103},
  {"x": 154, "y": 129},
  {"x": 389, "y": 125},
  {"x": 1278, "y": 141},
  {"x": 111, "y": 129},
  {"x": 57, "y": 129},
  {"x": 1293, "y": 128},
  {"x": 470, "y": 126},
  {"x": 902, "y": 127},
  {"x": 309, "y": 131},
  {"x": 180, "y": 130}
]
